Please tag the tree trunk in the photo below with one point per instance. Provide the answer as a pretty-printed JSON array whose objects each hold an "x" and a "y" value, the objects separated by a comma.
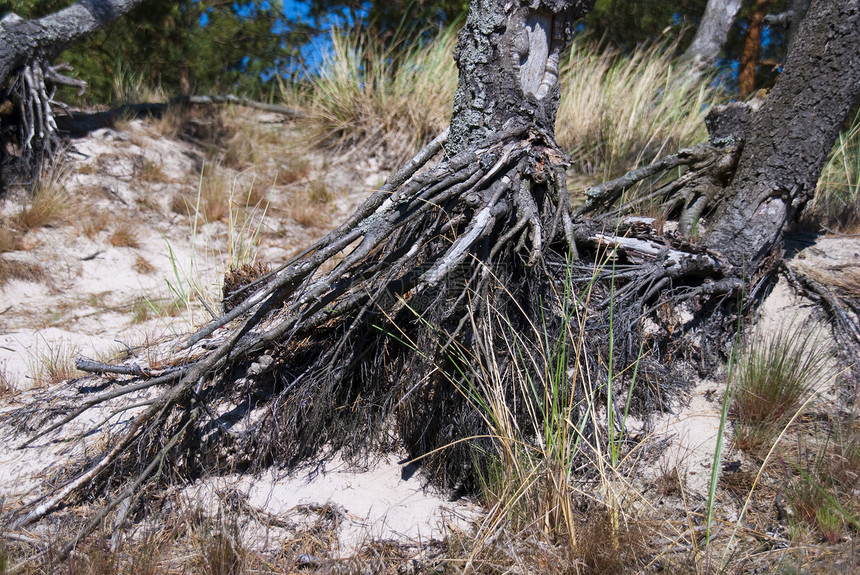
[
  {"x": 752, "y": 49},
  {"x": 712, "y": 33},
  {"x": 508, "y": 56},
  {"x": 790, "y": 136},
  {"x": 28, "y": 137}
]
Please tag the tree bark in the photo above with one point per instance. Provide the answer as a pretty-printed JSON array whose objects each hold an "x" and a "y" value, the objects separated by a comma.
[
  {"x": 712, "y": 33},
  {"x": 508, "y": 56},
  {"x": 752, "y": 49},
  {"x": 43, "y": 39},
  {"x": 28, "y": 134},
  {"x": 790, "y": 136}
]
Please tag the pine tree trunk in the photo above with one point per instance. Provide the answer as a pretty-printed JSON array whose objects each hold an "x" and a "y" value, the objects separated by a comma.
[
  {"x": 508, "y": 56},
  {"x": 752, "y": 49},
  {"x": 451, "y": 274},
  {"x": 789, "y": 138},
  {"x": 712, "y": 33}
]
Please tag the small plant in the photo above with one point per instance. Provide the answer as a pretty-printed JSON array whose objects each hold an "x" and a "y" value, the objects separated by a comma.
[
  {"x": 49, "y": 203},
  {"x": 124, "y": 236},
  {"x": 775, "y": 376},
  {"x": 55, "y": 365}
]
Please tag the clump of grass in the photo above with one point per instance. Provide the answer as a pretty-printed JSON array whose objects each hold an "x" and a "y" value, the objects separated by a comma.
[
  {"x": 92, "y": 224},
  {"x": 143, "y": 265},
  {"x": 24, "y": 271},
  {"x": 153, "y": 172},
  {"x": 172, "y": 120},
  {"x": 213, "y": 200},
  {"x": 775, "y": 376},
  {"x": 372, "y": 95},
  {"x": 9, "y": 238},
  {"x": 618, "y": 111},
  {"x": 537, "y": 411},
  {"x": 220, "y": 547},
  {"x": 240, "y": 152},
  {"x": 49, "y": 203},
  {"x": 293, "y": 169},
  {"x": 130, "y": 87},
  {"x": 55, "y": 365},
  {"x": 837, "y": 197},
  {"x": 124, "y": 236},
  {"x": 821, "y": 478}
]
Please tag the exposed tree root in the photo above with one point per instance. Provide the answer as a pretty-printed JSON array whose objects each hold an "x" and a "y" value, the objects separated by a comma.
[
  {"x": 30, "y": 134},
  {"x": 380, "y": 325}
]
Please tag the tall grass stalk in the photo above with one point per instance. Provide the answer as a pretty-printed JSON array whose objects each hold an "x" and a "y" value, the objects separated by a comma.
[
  {"x": 199, "y": 282},
  {"x": 618, "y": 111},
  {"x": 837, "y": 196},
  {"x": 537, "y": 410},
  {"x": 372, "y": 94}
]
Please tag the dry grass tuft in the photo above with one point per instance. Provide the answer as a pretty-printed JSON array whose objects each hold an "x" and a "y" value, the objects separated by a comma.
[
  {"x": 55, "y": 365},
  {"x": 619, "y": 111},
  {"x": 172, "y": 120},
  {"x": 309, "y": 207},
  {"x": 213, "y": 201},
  {"x": 143, "y": 266},
  {"x": 10, "y": 240},
  {"x": 49, "y": 203},
  {"x": 374, "y": 97},
  {"x": 776, "y": 375},
  {"x": 24, "y": 271},
  {"x": 124, "y": 236},
  {"x": 93, "y": 223},
  {"x": 152, "y": 172},
  {"x": 294, "y": 169},
  {"x": 821, "y": 478},
  {"x": 240, "y": 152},
  {"x": 87, "y": 169}
]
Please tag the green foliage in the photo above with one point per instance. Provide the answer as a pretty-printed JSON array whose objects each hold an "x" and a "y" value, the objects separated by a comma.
[{"x": 628, "y": 23}]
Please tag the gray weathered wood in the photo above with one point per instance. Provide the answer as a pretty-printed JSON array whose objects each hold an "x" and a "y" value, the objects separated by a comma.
[{"x": 43, "y": 39}]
